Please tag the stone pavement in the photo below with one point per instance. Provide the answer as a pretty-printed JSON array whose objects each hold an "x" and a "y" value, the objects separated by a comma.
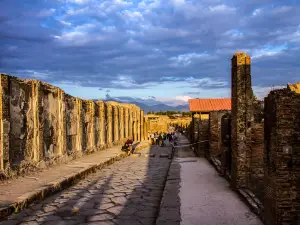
[
  {"x": 195, "y": 194},
  {"x": 23, "y": 190},
  {"x": 126, "y": 192}
]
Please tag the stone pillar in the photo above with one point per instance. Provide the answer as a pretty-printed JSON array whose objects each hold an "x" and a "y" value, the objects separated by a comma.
[
  {"x": 73, "y": 129},
  {"x": 61, "y": 136},
  {"x": 138, "y": 117},
  {"x": 115, "y": 124},
  {"x": 37, "y": 145},
  {"x": 130, "y": 113},
  {"x": 282, "y": 156},
  {"x": 89, "y": 124},
  {"x": 126, "y": 119},
  {"x": 142, "y": 131},
  {"x": 101, "y": 124},
  {"x": 79, "y": 125},
  {"x": 4, "y": 121},
  {"x": 135, "y": 124},
  {"x": 242, "y": 119},
  {"x": 122, "y": 123},
  {"x": 108, "y": 126}
]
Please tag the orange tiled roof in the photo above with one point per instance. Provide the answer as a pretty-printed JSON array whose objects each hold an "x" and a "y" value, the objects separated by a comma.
[{"x": 209, "y": 104}]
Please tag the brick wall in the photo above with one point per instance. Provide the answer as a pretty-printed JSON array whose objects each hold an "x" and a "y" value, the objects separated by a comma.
[
  {"x": 282, "y": 157},
  {"x": 256, "y": 182}
]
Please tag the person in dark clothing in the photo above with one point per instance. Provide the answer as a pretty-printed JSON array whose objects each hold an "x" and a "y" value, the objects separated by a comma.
[{"x": 128, "y": 146}]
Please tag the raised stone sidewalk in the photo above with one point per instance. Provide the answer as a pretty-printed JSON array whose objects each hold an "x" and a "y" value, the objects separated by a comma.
[{"x": 18, "y": 194}]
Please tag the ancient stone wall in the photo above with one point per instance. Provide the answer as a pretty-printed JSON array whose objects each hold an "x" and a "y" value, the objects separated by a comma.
[
  {"x": 242, "y": 119},
  {"x": 215, "y": 139},
  {"x": 282, "y": 156},
  {"x": 41, "y": 124},
  {"x": 256, "y": 182}
]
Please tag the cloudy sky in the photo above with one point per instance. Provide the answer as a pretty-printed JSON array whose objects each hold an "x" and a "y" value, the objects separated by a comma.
[{"x": 156, "y": 50}]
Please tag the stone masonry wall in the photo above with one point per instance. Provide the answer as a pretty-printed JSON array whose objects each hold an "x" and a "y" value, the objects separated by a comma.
[
  {"x": 242, "y": 119},
  {"x": 41, "y": 125},
  {"x": 215, "y": 140},
  {"x": 256, "y": 182},
  {"x": 282, "y": 156}
]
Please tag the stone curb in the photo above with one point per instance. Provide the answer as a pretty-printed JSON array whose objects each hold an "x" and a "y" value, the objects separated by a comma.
[{"x": 40, "y": 194}]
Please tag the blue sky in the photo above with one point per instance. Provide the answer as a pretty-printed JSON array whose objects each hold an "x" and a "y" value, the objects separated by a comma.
[{"x": 151, "y": 50}]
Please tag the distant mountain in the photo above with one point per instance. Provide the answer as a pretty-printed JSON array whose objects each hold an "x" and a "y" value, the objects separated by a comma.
[
  {"x": 153, "y": 107},
  {"x": 161, "y": 107}
]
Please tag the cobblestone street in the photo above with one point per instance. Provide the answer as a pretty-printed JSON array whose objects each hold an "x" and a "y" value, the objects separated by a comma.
[{"x": 127, "y": 192}]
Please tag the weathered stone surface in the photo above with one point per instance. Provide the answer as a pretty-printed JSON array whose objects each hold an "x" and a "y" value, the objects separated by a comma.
[
  {"x": 282, "y": 157},
  {"x": 242, "y": 119},
  {"x": 41, "y": 126}
]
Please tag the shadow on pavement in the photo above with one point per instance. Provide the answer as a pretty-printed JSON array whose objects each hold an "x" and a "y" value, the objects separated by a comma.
[{"x": 131, "y": 191}]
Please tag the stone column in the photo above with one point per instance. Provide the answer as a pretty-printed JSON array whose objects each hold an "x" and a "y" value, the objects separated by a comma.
[
  {"x": 79, "y": 124},
  {"x": 101, "y": 124},
  {"x": 126, "y": 119},
  {"x": 115, "y": 124},
  {"x": 61, "y": 136},
  {"x": 130, "y": 114},
  {"x": 142, "y": 131},
  {"x": 282, "y": 156},
  {"x": 4, "y": 121},
  {"x": 37, "y": 146},
  {"x": 108, "y": 115},
  {"x": 122, "y": 123},
  {"x": 242, "y": 119},
  {"x": 89, "y": 124},
  {"x": 138, "y": 117},
  {"x": 135, "y": 133},
  {"x": 73, "y": 130}
]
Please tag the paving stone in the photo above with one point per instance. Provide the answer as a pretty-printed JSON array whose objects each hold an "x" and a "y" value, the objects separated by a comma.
[
  {"x": 115, "y": 210},
  {"x": 101, "y": 223},
  {"x": 29, "y": 223},
  {"x": 91, "y": 212},
  {"x": 101, "y": 217},
  {"x": 105, "y": 206},
  {"x": 127, "y": 192},
  {"x": 49, "y": 208},
  {"x": 119, "y": 200},
  {"x": 10, "y": 222}
]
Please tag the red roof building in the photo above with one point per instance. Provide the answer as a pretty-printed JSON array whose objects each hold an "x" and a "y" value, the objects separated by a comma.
[{"x": 209, "y": 104}]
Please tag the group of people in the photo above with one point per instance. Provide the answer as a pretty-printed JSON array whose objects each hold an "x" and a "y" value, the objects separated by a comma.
[{"x": 160, "y": 138}]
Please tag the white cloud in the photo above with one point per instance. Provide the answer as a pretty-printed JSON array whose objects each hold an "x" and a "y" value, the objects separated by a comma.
[
  {"x": 122, "y": 3},
  {"x": 257, "y": 12},
  {"x": 177, "y": 3},
  {"x": 267, "y": 52},
  {"x": 65, "y": 23},
  {"x": 46, "y": 12},
  {"x": 221, "y": 8},
  {"x": 206, "y": 82},
  {"x": 183, "y": 98},
  {"x": 79, "y": 2},
  {"x": 188, "y": 58},
  {"x": 261, "y": 92},
  {"x": 131, "y": 15}
]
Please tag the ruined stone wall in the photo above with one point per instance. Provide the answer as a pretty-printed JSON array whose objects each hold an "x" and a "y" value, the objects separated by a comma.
[
  {"x": 242, "y": 119},
  {"x": 41, "y": 124},
  {"x": 161, "y": 123},
  {"x": 282, "y": 156},
  {"x": 256, "y": 182},
  {"x": 215, "y": 139}
]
